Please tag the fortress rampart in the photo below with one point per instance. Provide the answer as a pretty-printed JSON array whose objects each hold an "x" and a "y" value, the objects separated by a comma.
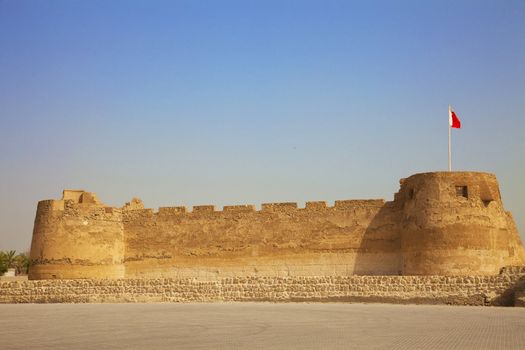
[{"x": 442, "y": 223}]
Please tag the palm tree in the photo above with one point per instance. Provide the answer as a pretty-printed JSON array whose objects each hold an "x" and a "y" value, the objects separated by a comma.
[{"x": 10, "y": 258}]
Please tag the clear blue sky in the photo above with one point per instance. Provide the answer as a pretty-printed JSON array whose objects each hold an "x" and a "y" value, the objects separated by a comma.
[{"x": 230, "y": 102}]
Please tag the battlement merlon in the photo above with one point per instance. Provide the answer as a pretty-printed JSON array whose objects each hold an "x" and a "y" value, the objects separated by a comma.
[
  {"x": 81, "y": 196},
  {"x": 137, "y": 206},
  {"x": 71, "y": 197}
]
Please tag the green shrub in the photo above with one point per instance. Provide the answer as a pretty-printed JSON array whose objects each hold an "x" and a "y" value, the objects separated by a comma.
[{"x": 22, "y": 263}]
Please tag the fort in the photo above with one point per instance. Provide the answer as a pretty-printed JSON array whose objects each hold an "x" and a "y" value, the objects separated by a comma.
[
  {"x": 441, "y": 223},
  {"x": 445, "y": 238}
]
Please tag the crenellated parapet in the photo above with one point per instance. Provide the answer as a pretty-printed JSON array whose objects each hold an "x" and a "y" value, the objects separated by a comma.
[
  {"x": 136, "y": 208},
  {"x": 439, "y": 223}
]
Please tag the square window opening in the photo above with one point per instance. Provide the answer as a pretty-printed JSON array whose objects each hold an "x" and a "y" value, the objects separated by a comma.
[{"x": 462, "y": 191}]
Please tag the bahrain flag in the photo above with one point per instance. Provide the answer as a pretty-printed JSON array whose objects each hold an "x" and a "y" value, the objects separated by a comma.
[{"x": 453, "y": 119}]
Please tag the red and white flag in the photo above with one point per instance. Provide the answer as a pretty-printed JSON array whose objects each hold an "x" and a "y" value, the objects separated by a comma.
[
  {"x": 453, "y": 122},
  {"x": 453, "y": 119}
]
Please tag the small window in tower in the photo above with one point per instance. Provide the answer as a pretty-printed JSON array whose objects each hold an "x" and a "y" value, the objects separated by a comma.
[{"x": 462, "y": 191}]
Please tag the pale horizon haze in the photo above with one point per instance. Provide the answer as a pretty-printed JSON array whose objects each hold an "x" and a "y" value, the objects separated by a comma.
[{"x": 246, "y": 102}]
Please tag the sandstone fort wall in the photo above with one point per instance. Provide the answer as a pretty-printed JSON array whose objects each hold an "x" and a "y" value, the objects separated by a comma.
[
  {"x": 437, "y": 224},
  {"x": 279, "y": 240}
]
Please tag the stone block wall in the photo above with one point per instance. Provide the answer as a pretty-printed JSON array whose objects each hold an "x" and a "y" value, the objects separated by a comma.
[{"x": 456, "y": 290}]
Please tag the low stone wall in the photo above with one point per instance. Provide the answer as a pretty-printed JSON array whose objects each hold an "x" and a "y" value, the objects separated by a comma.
[{"x": 461, "y": 290}]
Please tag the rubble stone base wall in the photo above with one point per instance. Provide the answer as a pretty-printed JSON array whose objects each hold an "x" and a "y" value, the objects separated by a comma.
[{"x": 462, "y": 290}]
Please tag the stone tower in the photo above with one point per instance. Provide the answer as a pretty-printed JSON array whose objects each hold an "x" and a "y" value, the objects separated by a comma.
[
  {"x": 454, "y": 223},
  {"x": 77, "y": 237}
]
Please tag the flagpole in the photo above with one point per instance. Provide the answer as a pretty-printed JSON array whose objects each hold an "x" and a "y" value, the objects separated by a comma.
[{"x": 449, "y": 143}]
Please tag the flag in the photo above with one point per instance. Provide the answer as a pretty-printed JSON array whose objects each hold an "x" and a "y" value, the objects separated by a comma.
[{"x": 453, "y": 119}]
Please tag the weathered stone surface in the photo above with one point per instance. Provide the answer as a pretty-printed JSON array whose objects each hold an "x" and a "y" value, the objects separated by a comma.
[
  {"x": 458, "y": 290},
  {"x": 444, "y": 232},
  {"x": 449, "y": 223}
]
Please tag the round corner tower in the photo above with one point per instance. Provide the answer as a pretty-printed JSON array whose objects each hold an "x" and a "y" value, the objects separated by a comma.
[
  {"x": 454, "y": 223},
  {"x": 77, "y": 237}
]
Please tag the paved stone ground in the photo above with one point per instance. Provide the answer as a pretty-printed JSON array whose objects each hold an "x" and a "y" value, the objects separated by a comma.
[{"x": 259, "y": 326}]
